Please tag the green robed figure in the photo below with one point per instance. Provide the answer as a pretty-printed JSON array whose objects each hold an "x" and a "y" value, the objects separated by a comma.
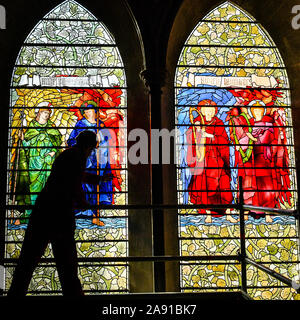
[{"x": 37, "y": 152}]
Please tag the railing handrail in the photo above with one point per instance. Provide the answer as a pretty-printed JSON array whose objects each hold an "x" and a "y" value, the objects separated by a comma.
[
  {"x": 242, "y": 257},
  {"x": 275, "y": 274},
  {"x": 145, "y": 258},
  {"x": 287, "y": 212}
]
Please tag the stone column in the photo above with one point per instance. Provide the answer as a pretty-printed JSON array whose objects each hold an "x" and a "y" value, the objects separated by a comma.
[{"x": 154, "y": 81}]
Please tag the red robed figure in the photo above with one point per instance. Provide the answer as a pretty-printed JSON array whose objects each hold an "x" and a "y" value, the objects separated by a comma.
[
  {"x": 266, "y": 169},
  {"x": 262, "y": 157},
  {"x": 209, "y": 163}
]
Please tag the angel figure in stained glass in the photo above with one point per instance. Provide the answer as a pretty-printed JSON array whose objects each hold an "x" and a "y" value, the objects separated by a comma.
[
  {"x": 109, "y": 119},
  {"x": 101, "y": 194},
  {"x": 39, "y": 147},
  {"x": 261, "y": 155},
  {"x": 208, "y": 158}
]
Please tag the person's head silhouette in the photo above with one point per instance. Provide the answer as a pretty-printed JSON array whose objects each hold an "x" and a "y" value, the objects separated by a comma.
[{"x": 86, "y": 140}]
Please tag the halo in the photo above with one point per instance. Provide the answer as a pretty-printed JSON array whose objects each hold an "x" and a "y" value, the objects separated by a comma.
[
  {"x": 88, "y": 104},
  {"x": 208, "y": 102},
  {"x": 257, "y": 103},
  {"x": 43, "y": 105}
]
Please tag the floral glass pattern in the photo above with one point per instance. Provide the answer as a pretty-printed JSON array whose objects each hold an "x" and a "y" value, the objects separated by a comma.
[
  {"x": 69, "y": 76},
  {"x": 233, "y": 115}
]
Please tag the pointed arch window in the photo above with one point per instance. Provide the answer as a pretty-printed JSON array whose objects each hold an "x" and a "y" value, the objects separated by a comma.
[
  {"x": 69, "y": 64},
  {"x": 233, "y": 114}
]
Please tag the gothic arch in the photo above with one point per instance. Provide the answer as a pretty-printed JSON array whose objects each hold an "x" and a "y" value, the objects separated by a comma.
[
  {"x": 59, "y": 63},
  {"x": 214, "y": 64}
]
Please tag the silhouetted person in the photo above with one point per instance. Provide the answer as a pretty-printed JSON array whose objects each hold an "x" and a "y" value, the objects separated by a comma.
[{"x": 53, "y": 219}]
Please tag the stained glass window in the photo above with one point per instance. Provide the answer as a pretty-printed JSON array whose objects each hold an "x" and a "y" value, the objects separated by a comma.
[
  {"x": 68, "y": 77},
  {"x": 234, "y": 119}
]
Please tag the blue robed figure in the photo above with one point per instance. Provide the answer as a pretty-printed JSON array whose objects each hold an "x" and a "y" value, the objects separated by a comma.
[{"x": 90, "y": 122}]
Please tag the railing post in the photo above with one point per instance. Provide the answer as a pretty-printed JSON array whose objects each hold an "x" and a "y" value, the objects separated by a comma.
[{"x": 242, "y": 236}]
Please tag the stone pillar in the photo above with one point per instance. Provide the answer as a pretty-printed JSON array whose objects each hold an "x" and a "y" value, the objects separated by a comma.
[{"x": 154, "y": 81}]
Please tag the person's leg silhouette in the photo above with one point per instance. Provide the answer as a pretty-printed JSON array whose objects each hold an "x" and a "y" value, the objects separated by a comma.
[
  {"x": 65, "y": 254},
  {"x": 34, "y": 245}
]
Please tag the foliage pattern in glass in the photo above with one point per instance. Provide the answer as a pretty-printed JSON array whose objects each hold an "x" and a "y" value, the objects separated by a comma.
[
  {"x": 68, "y": 77},
  {"x": 233, "y": 115}
]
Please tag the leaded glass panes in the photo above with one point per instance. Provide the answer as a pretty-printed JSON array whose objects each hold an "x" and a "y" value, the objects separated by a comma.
[
  {"x": 233, "y": 115},
  {"x": 68, "y": 77}
]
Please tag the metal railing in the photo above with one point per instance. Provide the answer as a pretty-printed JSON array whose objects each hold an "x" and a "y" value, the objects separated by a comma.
[{"x": 242, "y": 257}]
